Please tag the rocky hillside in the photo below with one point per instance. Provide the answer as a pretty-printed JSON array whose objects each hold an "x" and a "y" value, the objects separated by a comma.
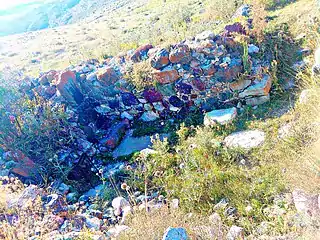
[
  {"x": 37, "y": 15},
  {"x": 212, "y": 135}
]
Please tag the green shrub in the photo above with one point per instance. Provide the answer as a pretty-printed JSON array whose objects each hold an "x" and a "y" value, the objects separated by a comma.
[
  {"x": 200, "y": 172},
  {"x": 141, "y": 75},
  {"x": 37, "y": 129}
]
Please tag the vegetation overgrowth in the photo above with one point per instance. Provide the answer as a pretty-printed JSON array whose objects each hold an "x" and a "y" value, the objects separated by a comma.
[{"x": 193, "y": 165}]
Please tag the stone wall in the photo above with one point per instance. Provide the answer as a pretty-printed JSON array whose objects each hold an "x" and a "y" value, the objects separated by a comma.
[{"x": 205, "y": 72}]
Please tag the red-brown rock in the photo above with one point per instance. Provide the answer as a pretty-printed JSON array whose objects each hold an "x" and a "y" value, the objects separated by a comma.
[
  {"x": 159, "y": 59},
  {"x": 166, "y": 76},
  {"x": 199, "y": 84},
  {"x": 24, "y": 166},
  {"x": 141, "y": 53},
  {"x": 180, "y": 54},
  {"x": 69, "y": 88},
  {"x": 107, "y": 76}
]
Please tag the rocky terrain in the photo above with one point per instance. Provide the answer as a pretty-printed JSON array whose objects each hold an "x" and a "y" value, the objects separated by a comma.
[{"x": 212, "y": 136}]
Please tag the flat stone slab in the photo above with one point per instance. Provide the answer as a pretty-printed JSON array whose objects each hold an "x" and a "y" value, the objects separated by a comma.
[
  {"x": 131, "y": 144},
  {"x": 245, "y": 139},
  {"x": 221, "y": 116},
  {"x": 259, "y": 88}
]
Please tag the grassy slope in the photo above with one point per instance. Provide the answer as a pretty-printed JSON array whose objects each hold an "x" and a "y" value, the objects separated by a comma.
[
  {"x": 131, "y": 25},
  {"x": 297, "y": 155}
]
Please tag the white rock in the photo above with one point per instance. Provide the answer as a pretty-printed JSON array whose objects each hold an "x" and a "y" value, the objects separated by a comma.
[
  {"x": 235, "y": 233},
  {"x": 253, "y": 49},
  {"x": 204, "y": 36},
  {"x": 119, "y": 203},
  {"x": 215, "y": 219},
  {"x": 305, "y": 96},
  {"x": 306, "y": 203},
  {"x": 245, "y": 139},
  {"x": 222, "y": 116},
  {"x": 149, "y": 116},
  {"x": 174, "y": 203},
  {"x": 117, "y": 230},
  {"x": 93, "y": 222},
  {"x": 126, "y": 115},
  {"x": 285, "y": 130},
  {"x": 147, "y": 151}
]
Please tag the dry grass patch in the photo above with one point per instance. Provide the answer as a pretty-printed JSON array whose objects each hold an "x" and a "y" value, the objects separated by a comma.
[{"x": 152, "y": 225}]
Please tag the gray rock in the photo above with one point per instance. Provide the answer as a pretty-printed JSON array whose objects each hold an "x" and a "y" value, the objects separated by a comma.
[
  {"x": 258, "y": 100},
  {"x": 174, "y": 203},
  {"x": 204, "y": 36},
  {"x": 306, "y": 203},
  {"x": 222, "y": 116},
  {"x": 175, "y": 234},
  {"x": 245, "y": 139},
  {"x": 72, "y": 197},
  {"x": 131, "y": 144},
  {"x": 119, "y": 203},
  {"x": 305, "y": 96},
  {"x": 235, "y": 233},
  {"x": 149, "y": 116},
  {"x": 63, "y": 188},
  {"x": 260, "y": 87},
  {"x": 94, "y": 192},
  {"x": 93, "y": 222},
  {"x": 126, "y": 115},
  {"x": 253, "y": 49},
  {"x": 117, "y": 230}
]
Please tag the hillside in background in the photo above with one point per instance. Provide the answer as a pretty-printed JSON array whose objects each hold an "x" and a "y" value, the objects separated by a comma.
[{"x": 37, "y": 15}]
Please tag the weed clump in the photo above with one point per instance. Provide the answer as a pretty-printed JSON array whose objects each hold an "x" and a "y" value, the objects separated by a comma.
[{"x": 141, "y": 75}]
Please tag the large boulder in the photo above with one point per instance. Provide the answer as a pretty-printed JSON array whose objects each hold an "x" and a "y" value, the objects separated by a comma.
[
  {"x": 245, "y": 139},
  {"x": 69, "y": 88}
]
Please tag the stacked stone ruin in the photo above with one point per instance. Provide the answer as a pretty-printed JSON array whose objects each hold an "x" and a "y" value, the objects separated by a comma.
[{"x": 202, "y": 73}]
